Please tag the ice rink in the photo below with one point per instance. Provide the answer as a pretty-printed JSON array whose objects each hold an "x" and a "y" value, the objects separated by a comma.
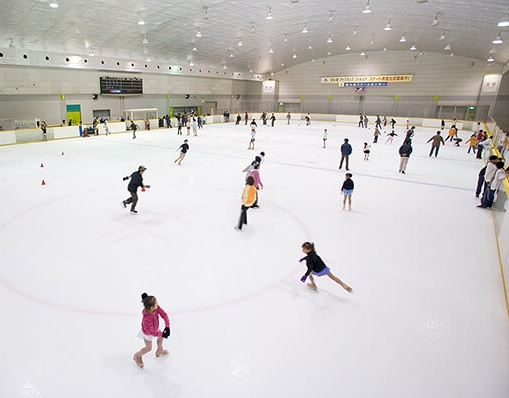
[{"x": 426, "y": 318}]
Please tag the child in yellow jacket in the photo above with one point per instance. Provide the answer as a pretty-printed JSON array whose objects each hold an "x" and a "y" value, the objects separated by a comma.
[
  {"x": 248, "y": 200},
  {"x": 472, "y": 141}
]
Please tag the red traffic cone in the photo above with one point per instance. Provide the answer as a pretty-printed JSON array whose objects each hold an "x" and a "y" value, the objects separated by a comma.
[
  {"x": 43, "y": 182},
  {"x": 42, "y": 165},
  {"x": 143, "y": 189}
]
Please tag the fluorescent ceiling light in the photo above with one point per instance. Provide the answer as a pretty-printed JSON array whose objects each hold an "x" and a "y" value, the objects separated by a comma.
[
  {"x": 145, "y": 40},
  {"x": 269, "y": 15},
  {"x": 442, "y": 36},
  {"x": 305, "y": 29},
  {"x": 141, "y": 22},
  {"x": 53, "y": 4},
  {"x": 348, "y": 48},
  {"x": 447, "y": 47},
  {"x": 491, "y": 59},
  {"x": 240, "y": 44},
  {"x": 294, "y": 55},
  {"x": 271, "y": 50},
  {"x": 388, "y": 27},
  {"x": 498, "y": 40},
  {"x": 198, "y": 33},
  {"x": 403, "y": 39},
  {"x": 363, "y": 53},
  {"x": 367, "y": 10},
  {"x": 413, "y": 48},
  {"x": 329, "y": 40},
  {"x": 504, "y": 22},
  {"x": 435, "y": 21}
]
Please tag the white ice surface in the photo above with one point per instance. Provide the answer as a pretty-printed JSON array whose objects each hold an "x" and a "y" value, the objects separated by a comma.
[{"x": 426, "y": 319}]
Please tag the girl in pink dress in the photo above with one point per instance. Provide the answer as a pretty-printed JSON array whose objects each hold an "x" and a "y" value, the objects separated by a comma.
[
  {"x": 255, "y": 173},
  {"x": 150, "y": 328}
]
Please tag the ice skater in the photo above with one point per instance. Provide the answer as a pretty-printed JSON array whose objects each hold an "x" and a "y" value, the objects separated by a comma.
[
  {"x": 248, "y": 200},
  {"x": 150, "y": 328},
  {"x": 390, "y": 137},
  {"x": 253, "y": 137},
  {"x": 132, "y": 187},
  {"x": 347, "y": 191},
  {"x": 258, "y": 184},
  {"x": 134, "y": 127},
  {"x": 366, "y": 150},
  {"x": 317, "y": 267},
  {"x": 324, "y": 137},
  {"x": 183, "y": 150}
]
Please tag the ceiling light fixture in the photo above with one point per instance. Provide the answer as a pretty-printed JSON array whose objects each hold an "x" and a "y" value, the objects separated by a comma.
[
  {"x": 141, "y": 22},
  {"x": 145, "y": 40},
  {"x": 403, "y": 39},
  {"x": 53, "y": 4},
  {"x": 269, "y": 14},
  {"x": 310, "y": 47},
  {"x": 363, "y": 53},
  {"x": 491, "y": 59},
  {"x": 271, "y": 50},
  {"x": 331, "y": 16},
  {"x": 253, "y": 27},
  {"x": 435, "y": 21},
  {"x": 447, "y": 47},
  {"x": 294, "y": 56},
  {"x": 240, "y": 44},
  {"x": 191, "y": 63},
  {"x": 91, "y": 52},
  {"x": 348, "y": 48},
  {"x": 504, "y": 22},
  {"x": 286, "y": 38},
  {"x": 388, "y": 27},
  {"x": 11, "y": 44},
  {"x": 194, "y": 49},
  {"x": 198, "y": 33},
  {"x": 231, "y": 55},
  {"x": 206, "y": 13},
  {"x": 224, "y": 66},
  {"x": 329, "y": 40},
  {"x": 305, "y": 29},
  {"x": 442, "y": 36},
  {"x": 498, "y": 39},
  {"x": 367, "y": 9},
  {"x": 328, "y": 53},
  {"x": 451, "y": 55},
  {"x": 354, "y": 30},
  {"x": 413, "y": 48}
]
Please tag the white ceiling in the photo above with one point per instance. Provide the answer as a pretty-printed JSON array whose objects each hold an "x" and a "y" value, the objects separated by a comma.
[{"x": 110, "y": 28}]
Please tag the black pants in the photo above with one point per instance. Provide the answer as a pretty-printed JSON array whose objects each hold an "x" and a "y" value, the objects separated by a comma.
[
  {"x": 479, "y": 188},
  {"x": 243, "y": 216},
  {"x": 435, "y": 149},
  {"x": 343, "y": 157},
  {"x": 132, "y": 200}
]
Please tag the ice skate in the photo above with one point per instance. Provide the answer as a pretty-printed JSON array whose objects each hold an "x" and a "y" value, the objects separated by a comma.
[
  {"x": 139, "y": 361},
  {"x": 161, "y": 353}
]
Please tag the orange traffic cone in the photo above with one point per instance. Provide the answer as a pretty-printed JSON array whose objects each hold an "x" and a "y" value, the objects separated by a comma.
[
  {"x": 43, "y": 182},
  {"x": 42, "y": 165}
]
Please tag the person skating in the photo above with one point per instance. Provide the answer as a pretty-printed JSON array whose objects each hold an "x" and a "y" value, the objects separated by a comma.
[
  {"x": 347, "y": 191},
  {"x": 248, "y": 200},
  {"x": 317, "y": 267},
  {"x": 404, "y": 152},
  {"x": 346, "y": 150},
  {"x": 135, "y": 182},
  {"x": 436, "y": 140},
  {"x": 150, "y": 329},
  {"x": 183, "y": 150}
]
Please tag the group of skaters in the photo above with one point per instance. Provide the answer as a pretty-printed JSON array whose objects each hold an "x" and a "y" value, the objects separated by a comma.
[{"x": 189, "y": 121}]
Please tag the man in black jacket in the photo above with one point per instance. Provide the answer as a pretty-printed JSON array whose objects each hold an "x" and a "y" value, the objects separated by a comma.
[
  {"x": 404, "y": 151},
  {"x": 136, "y": 181}
]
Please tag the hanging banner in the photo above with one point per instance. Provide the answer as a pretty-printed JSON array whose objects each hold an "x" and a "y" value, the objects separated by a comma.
[
  {"x": 363, "y": 84},
  {"x": 367, "y": 79}
]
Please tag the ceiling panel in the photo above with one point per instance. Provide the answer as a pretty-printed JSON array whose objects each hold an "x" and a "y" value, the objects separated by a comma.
[{"x": 110, "y": 28}]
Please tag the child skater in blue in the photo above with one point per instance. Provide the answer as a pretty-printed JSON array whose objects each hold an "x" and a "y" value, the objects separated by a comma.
[{"x": 317, "y": 267}]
